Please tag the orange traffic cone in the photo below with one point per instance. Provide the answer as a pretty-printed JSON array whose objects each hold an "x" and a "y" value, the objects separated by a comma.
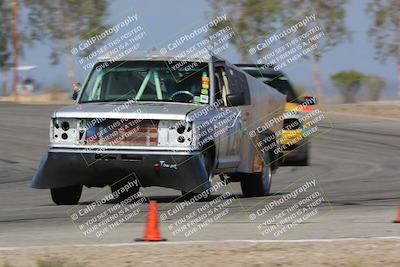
[
  {"x": 397, "y": 220},
  {"x": 152, "y": 233}
]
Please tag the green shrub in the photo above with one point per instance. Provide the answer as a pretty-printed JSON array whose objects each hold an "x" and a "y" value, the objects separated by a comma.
[
  {"x": 348, "y": 83},
  {"x": 373, "y": 85}
]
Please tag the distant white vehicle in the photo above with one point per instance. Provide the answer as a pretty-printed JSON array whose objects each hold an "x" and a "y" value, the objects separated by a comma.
[{"x": 27, "y": 84}]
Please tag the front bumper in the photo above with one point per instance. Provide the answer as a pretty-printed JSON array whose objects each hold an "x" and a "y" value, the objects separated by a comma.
[
  {"x": 177, "y": 170},
  {"x": 295, "y": 152}
]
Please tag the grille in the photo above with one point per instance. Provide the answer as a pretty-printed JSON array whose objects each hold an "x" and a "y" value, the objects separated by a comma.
[{"x": 114, "y": 132}]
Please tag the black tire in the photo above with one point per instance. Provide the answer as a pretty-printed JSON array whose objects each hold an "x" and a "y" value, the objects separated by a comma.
[
  {"x": 66, "y": 195},
  {"x": 304, "y": 159},
  {"x": 126, "y": 194},
  {"x": 258, "y": 184}
]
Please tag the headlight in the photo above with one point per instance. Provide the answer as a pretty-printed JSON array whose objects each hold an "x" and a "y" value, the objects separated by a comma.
[
  {"x": 174, "y": 133},
  {"x": 64, "y": 131},
  {"x": 65, "y": 125}
]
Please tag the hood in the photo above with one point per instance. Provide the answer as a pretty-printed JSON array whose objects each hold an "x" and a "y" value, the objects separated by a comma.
[{"x": 125, "y": 110}]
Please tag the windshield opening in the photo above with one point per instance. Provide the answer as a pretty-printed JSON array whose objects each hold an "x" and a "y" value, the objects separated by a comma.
[{"x": 147, "y": 81}]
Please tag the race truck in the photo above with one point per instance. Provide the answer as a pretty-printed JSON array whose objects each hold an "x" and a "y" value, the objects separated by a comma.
[
  {"x": 295, "y": 141},
  {"x": 152, "y": 119}
]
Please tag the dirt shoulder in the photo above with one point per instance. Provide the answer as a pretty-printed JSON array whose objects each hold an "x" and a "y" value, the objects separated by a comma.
[
  {"x": 387, "y": 109},
  {"x": 42, "y": 99},
  {"x": 351, "y": 253}
]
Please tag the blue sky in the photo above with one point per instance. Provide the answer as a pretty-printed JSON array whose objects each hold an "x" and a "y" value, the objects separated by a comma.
[{"x": 164, "y": 20}]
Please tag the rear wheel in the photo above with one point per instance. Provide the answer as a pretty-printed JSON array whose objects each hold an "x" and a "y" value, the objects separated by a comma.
[
  {"x": 66, "y": 195},
  {"x": 258, "y": 184}
]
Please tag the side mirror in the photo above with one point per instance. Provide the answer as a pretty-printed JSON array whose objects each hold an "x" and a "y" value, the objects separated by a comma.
[
  {"x": 76, "y": 87},
  {"x": 235, "y": 99},
  {"x": 309, "y": 100}
]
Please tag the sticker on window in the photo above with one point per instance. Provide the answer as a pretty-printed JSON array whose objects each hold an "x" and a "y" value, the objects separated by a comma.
[
  {"x": 204, "y": 91},
  {"x": 197, "y": 99},
  {"x": 204, "y": 98},
  {"x": 205, "y": 81}
]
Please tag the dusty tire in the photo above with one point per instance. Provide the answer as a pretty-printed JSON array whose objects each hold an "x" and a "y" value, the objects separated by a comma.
[
  {"x": 66, "y": 195},
  {"x": 256, "y": 185}
]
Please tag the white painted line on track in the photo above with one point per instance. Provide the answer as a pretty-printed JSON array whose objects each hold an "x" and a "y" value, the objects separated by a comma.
[{"x": 203, "y": 242}]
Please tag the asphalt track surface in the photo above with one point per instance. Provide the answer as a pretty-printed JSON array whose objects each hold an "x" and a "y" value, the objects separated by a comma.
[{"x": 355, "y": 162}]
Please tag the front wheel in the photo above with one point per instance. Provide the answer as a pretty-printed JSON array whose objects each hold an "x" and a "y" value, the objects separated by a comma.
[
  {"x": 258, "y": 184},
  {"x": 66, "y": 195}
]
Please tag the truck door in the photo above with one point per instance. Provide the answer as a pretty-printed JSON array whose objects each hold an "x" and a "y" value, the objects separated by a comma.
[{"x": 229, "y": 124}]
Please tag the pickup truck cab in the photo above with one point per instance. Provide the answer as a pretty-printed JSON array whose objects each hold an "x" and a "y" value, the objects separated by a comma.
[{"x": 161, "y": 120}]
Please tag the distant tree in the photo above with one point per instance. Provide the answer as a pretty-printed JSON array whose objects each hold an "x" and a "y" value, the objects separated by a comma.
[
  {"x": 12, "y": 36},
  {"x": 385, "y": 30},
  {"x": 15, "y": 44},
  {"x": 253, "y": 20},
  {"x": 5, "y": 33},
  {"x": 331, "y": 16},
  {"x": 348, "y": 83},
  {"x": 5, "y": 41},
  {"x": 373, "y": 85},
  {"x": 65, "y": 22}
]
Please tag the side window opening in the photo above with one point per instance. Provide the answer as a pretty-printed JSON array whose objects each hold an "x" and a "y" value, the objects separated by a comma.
[
  {"x": 218, "y": 92},
  {"x": 239, "y": 84},
  {"x": 223, "y": 85}
]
